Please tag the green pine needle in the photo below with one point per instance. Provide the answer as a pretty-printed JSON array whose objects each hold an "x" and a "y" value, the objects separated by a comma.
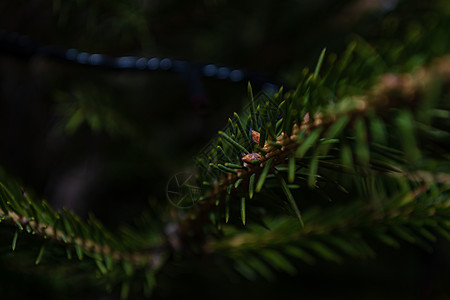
[
  {"x": 41, "y": 253},
  {"x": 14, "y": 241},
  {"x": 226, "y": 169},
  {"x": 313, "y": 170},
  {"x": 291, "y": 169},
  {"x": 319, "y": 64},
  {"x": 243, "y": 210},
  {"x": 79, "y": 252},
  {"x": 101, "y": 267},
  {"x": 69, "y": 254},
  {"x": 263, "y": 176},
  {"x": 252, "y": 106},
  {"x": 125, "y": 290},
  {"x": 241, "y": 126},
  {"x": 150, "y": 279},
  {"x": 251, "y": 185},
  {"x": 233, "y": 142},
  {"x": 233, "y": 166},
  {"x": 308, "y": 143},
  {"x": 227, "y": 208},
  {"x": 238, "y": 182},
  {"x": 291, "y": 199}
]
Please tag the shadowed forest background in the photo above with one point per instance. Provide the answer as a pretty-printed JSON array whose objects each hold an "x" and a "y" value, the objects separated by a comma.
[{"x": 102, "y": 140}]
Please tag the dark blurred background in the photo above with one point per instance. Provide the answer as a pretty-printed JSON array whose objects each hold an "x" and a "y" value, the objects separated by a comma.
[
  {"x": 85, "y": 137},
  {"x": 106, "y": 140}
]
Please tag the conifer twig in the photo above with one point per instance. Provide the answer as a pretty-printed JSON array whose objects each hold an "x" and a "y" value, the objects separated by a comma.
[
  {"x": 46, "y": 231},
  {"x": 390, "y": 92}
]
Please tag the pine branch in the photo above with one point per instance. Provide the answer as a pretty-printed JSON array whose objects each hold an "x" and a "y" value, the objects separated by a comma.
[
  {"x": 377, "y": 148},
  {"x": 48, "y": 232},
  {"x": 414, "y": 217},
  {"x": 391, "y": 93},
  {"x": 116, "y": 258},
  {"x": 319, "y": 138}
]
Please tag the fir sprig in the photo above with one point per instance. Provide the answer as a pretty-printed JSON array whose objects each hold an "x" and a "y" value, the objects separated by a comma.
[
  {"x": 344, "y": 135},
  {"x": 416, "y": 217},
  {"x": 116, "y": 257}
]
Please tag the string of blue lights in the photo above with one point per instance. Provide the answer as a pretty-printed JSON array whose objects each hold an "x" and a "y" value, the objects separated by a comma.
[{"x": 20, "y": 45}]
